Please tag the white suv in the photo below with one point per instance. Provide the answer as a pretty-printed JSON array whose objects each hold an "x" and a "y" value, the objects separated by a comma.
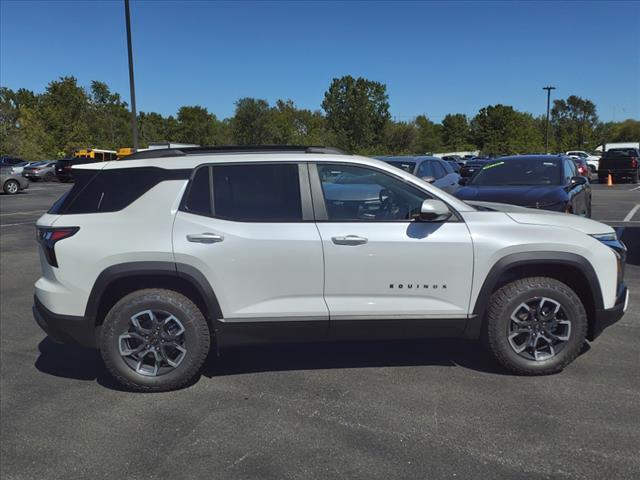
[{"x": 154, "y": 258}]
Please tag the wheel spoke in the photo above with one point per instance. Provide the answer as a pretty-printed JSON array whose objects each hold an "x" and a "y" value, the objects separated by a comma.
[{"x": 154, "y": 344}]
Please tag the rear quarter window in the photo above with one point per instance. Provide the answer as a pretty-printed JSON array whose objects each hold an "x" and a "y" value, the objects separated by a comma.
[{"x": 100, "y": 191}]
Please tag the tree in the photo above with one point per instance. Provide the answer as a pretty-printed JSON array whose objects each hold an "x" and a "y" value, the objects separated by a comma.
[
  {"x": 574, "y": 121},
  {"x": 293, "y": 126},
  {"x": 251, "y": 124},
  {"x": 500, "y": 129},
  {"x": 64, "y": 109},
  {"x": 428, "y": 135},
  {"x": 109, "y": 118},
  {"x": 400, "y": 138},
  {"x": 357, "y": 111},
  {"x": 455, "y": 131},
  {"x": 197, "y": 125},
  {"x": 31, "y": 141}
]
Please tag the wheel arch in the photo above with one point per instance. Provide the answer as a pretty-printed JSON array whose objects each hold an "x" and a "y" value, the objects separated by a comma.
[
  {"x": 572, "y": 269},
  {"x": 119, "y": 280}
]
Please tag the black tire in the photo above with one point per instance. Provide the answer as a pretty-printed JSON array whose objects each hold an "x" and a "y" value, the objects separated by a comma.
[
  {"x": 506, "y": 300},
  {"x": 196, "y": 338},
  {"x": 602, "y": 179},
  {"x": 635, "y": 179},
  {"x": 11, "y": 187}
]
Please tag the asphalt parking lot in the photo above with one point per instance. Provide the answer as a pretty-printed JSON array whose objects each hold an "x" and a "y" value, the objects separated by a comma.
[{"x": 420, "y": 409}]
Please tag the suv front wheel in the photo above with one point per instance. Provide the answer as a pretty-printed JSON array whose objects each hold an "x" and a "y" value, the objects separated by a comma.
[
  {"x": 154, "y": 340},
  {"x": 535, "y": 326}
]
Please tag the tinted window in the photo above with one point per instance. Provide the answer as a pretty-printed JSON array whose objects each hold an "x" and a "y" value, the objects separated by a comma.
[
  {"x": 406, "y": 166},
  {"x": 570, "y": 170},
  {"x": 430, "y": 168},
  {"x": 96, "y": 191},
  {"x": 369, "y": 195},
  {"x": 199, "y": 197},
  {"x": 525, "y": 171},
  {"x": 263, "y": 193}
]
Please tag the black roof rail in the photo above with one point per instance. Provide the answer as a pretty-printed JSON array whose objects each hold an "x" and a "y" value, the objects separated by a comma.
[{"x": 227, "y": 149}]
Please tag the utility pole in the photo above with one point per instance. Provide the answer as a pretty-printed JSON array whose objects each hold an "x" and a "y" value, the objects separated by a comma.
[
  {"x": 132, "y": 88},
  {"x": 546, "y": 129}
]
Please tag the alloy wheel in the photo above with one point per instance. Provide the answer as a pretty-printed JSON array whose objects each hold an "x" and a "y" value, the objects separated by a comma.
[
  {"x": 154, "y": 343},
  {"x": 539, "y": 328}
]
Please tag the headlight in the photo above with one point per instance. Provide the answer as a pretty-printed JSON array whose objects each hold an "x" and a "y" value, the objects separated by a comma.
[{"x": 605, "y": 237}]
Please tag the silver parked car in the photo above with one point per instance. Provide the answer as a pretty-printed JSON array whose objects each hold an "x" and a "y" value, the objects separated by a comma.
[
  {"x": 44, "y": 170},
  {"x": 431, "y": 169},
  {"x": 12, "y": 182}
]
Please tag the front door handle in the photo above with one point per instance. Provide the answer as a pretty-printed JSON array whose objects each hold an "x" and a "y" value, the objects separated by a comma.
[
  {"x": 349, "y": 240},
  {"x": 205, "y": 238}
]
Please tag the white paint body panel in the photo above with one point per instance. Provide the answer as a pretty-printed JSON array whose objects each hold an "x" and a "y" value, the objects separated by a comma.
[
  {"x": 260, "y": 269},
  {"x": 407, "y": 254}
]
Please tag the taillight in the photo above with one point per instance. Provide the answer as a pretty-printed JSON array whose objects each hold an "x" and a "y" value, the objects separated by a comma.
[
  {"x": 67, "y": 168},
  {"x": 634, "y": 162},
  {"x": 47, "y": 237}
]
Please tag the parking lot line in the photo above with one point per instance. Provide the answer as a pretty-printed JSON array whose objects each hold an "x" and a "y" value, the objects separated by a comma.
[
  {"x": 21, "y": 213},
  {"x": 15, "y": 224},
  {"x": 637, "y": 188},
  {"x": 631, "y": 213}
]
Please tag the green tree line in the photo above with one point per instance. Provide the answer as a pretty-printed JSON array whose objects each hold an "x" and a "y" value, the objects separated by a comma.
[{"x": 355, "y": 116}]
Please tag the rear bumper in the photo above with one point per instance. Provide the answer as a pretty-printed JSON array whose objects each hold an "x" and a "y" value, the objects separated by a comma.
[
  {"x": 606, "y": 317},
  {"x": 64, "y": 328}
]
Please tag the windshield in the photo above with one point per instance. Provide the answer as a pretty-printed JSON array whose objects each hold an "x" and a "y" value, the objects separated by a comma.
[
  {"x": 406, "y": 166},
  {"x": 529, "y": 171}
]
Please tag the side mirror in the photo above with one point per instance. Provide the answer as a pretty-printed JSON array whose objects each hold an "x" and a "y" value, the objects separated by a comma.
[
  {"x": 463, "y": 181},
  {"x": 434, "y": 211},
  {"x": 429, "y": 179},
  {"x": 575, "y": 181}
]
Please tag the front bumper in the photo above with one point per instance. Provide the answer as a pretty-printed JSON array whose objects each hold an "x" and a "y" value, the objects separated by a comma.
[
  {"x": 606, "y": 317},
  {"x": 64, "y": 328}
]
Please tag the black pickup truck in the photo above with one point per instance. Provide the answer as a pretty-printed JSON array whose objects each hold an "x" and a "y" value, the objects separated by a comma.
[{"x": 621, "y": 163}]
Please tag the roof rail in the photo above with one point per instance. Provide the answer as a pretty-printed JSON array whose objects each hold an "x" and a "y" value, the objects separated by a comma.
[{"x": 229, "y": 149}]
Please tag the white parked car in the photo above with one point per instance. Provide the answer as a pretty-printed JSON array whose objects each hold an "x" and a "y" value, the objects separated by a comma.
[
  {"x": 152, "y": 260},
  {"x": 591, "y": 160}
]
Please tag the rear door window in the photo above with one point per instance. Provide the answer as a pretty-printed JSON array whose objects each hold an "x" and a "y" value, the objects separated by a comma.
[{"x": 257, "y": 192}]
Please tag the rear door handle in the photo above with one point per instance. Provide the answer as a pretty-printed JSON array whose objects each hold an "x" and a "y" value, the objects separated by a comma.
[
  {"x": 205, "y": 238},
  {"x": 349, "y": 240}
]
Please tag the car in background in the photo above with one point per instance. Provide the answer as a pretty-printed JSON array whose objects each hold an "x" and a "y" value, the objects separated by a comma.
[
  {"x": 621, "y": 164},
  {"x": 16, "y": 164},
  {"x": 430, "y": 169},
  {"x": 471, "y": 167},
  {"x": 591, "y": 160},
  {"x": 548, "y": 182},
  {"x": 11, "y": 181},
  {"x": 63, "y": 168},
  {"x": 582, "y": 167},
  {"x": 454, "y": 159},
  {"x": 44, "y": 170}
]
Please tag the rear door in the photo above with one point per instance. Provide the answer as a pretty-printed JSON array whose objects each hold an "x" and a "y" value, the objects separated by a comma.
[{"x": 248, "y": 228}]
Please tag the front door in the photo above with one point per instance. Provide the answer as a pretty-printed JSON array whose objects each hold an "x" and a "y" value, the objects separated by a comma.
[{"x": 381, "y": 263}]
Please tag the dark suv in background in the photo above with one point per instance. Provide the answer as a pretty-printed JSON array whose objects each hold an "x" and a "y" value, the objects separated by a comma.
[
  {"x": 63, "y": 167},
  {"x": 621, "y": 163}
]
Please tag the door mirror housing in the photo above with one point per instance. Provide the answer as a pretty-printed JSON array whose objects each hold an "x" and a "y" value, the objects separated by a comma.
[
  {"x": 575, "y": 181},
  {"x": 429, "y": 179},
  {"x": 434, "y": 211}
]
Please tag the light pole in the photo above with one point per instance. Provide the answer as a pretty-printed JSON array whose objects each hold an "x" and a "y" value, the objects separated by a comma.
[
  {"x": 132, "y": 88},
  {"x": 546, "y": 129}
]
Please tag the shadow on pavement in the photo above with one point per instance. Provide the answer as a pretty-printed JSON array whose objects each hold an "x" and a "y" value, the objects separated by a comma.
[{"x": 341, "y": 355}]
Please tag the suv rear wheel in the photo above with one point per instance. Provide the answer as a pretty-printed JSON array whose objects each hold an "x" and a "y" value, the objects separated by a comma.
[
  {"x": 535, "y": 326},
  {"x": 154, "y": 340}
]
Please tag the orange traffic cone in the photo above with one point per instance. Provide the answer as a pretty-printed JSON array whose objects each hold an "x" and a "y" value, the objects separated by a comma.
[{"x": 609, "y": 181}]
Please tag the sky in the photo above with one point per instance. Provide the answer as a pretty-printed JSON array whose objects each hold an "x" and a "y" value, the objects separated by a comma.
[{"x": 435, "y": 57}]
